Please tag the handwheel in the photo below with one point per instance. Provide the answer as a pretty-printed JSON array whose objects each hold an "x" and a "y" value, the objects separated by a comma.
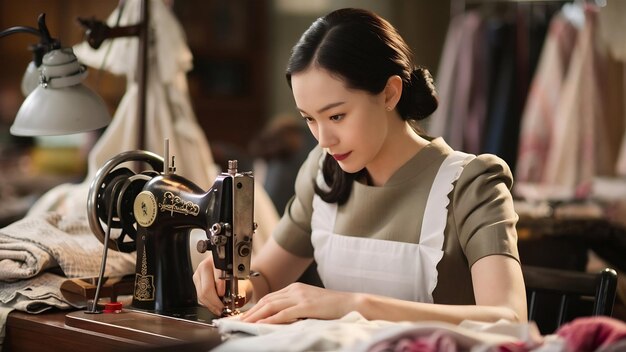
[{"x": 112, "y": 193}]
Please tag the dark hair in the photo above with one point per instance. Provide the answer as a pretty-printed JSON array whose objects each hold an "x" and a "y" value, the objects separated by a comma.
[{"x": 364, "y": 50}]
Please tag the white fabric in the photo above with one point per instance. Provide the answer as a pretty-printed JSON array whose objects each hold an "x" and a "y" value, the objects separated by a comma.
[
  {"x": 355, "y": 333},
  {"x": 402, "y": 270}
]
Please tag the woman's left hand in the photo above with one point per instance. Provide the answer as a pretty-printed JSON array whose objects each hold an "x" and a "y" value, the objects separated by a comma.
[{"x": 300, "y": 301}]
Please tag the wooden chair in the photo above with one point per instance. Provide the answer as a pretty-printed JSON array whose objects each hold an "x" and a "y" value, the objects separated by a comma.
[{"x": 557, "y": 296}]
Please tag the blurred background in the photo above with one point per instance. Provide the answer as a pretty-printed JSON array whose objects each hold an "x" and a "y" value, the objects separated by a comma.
[
  {"x": 516, "y": 78},
  {"x": 237, "y": 85}
]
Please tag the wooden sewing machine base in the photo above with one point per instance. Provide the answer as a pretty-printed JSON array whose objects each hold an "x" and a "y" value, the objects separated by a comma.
[{"x": 127, "y": 330}]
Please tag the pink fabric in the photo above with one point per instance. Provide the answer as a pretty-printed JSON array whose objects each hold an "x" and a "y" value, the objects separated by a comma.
[
  {"x": 476, "y": 112},
  {"x": 571, "y": 161},
  {"x": 437, "y": 341},
  {"x": 465, "y": 84},
  {"x": 542, "y": 102},
  {"x": 461, "y": 85},
  {"x": 591, "y": 333}
]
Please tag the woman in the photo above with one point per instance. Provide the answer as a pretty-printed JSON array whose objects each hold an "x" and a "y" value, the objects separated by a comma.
[{"x": 401, "y": 226}]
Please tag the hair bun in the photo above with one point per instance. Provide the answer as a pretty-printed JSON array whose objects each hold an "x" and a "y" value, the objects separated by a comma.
[{"x": 425, "y": 93}]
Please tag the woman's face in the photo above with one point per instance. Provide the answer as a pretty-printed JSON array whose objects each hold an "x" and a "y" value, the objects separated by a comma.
[{"x": 350, "y": 124}]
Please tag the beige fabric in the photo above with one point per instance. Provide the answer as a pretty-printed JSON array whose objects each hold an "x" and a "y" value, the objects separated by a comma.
[
  {"x": 31, "y": 247},
  {"x": 584, "y": 142},
  {"x": 392, "y": 212},
  {"x": 37, "y": 243}
]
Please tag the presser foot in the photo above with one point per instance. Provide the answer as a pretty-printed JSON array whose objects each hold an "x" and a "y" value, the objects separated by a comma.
[
  {"x": 232, "y": 305},
  {"x": 227, "y": 312}
]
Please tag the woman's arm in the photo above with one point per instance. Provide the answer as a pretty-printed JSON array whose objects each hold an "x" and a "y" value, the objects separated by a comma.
[
  {"x": 498, "y": 289},
  {"x": 498, "y": 286}
]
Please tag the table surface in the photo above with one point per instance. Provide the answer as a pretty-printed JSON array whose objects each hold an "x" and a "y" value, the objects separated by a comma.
[{"x": 124, "y": 331}]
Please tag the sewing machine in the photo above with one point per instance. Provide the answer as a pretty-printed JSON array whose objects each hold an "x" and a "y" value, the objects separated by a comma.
[{"x": 155, "y": 210}]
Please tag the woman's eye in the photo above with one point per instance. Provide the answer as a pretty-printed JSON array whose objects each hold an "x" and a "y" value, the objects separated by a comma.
[
  {"x": 336, "y": 117},
  {"x": 307, "y": 119}
]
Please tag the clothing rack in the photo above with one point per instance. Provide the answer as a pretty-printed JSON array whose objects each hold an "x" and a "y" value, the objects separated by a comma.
[{"x": 459, "y": 6}]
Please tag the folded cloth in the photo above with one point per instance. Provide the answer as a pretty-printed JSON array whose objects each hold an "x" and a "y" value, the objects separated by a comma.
[
  {"x": 34, "y": 295},
  {"x": 355, "y": 333},
  {"x": 31, "y": 246},
  {"x": 39, "y": 242}
]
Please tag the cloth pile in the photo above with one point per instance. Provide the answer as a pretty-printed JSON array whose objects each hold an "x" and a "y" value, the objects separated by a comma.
[
  {"x": 355, "y": 333},
  {"x": 39, "y": 252}
]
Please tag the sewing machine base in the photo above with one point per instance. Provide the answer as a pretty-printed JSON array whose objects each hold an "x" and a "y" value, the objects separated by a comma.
[
  {"x": 197, "y": 314},
  {"x": 144, "y": 329}
]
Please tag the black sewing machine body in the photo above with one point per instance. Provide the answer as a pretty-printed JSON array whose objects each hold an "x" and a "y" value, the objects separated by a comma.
[{"x": 158, "y": 210}]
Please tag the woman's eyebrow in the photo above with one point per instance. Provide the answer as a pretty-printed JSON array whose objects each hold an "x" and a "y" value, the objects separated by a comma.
[{"x": 329, "y": 106}]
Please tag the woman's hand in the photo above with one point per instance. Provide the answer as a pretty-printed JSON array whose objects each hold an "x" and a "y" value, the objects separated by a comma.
[
  {"x": 209, "y": 287},
  {"x": 299, "y": 301}
]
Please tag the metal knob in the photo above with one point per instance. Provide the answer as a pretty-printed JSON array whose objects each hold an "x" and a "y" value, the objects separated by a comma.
[{"x": 202, "y": 246}]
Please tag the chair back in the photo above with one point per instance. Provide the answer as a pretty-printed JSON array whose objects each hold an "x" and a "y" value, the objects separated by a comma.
[{"x": 557, "y": 296}]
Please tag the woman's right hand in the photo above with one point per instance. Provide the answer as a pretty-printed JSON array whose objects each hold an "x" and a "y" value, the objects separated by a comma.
[{"x": 209, "y": 286}]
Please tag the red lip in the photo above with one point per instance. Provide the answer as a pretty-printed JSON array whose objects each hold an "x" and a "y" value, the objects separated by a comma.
[{"x": 340, "y": 157}]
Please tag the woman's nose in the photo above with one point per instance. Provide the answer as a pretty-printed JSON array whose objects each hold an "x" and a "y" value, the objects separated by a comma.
[{"x": 325, "y": 137}]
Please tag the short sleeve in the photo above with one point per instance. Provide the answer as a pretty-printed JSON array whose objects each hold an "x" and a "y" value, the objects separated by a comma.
[
  {"x": 293, "y": 231},
  {"x": 483, "y": 209}
]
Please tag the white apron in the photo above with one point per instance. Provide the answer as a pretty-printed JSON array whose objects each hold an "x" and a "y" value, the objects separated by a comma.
[{"x": 401, "y": 270}]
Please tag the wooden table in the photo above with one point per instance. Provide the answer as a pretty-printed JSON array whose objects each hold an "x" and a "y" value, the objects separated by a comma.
[
  {"x": 125, "y": 331},
  {"x": 555, "y": 236}
]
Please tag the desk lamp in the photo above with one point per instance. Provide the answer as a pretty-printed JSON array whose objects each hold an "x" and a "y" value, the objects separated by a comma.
[{"x": 59, "y": 103}]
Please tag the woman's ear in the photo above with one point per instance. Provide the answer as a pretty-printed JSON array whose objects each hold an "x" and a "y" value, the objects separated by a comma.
[{"x": 393, "y": 92}]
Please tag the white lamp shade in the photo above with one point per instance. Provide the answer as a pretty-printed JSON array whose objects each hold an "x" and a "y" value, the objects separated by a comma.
[
  {"x": 49, "y": 112},
  {"x": 30, "y": 80},
  {"x": 60, "y": 104}
]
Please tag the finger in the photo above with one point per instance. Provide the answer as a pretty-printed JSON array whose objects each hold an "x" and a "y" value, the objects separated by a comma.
[
  {"x": 267, "y": 298},
  {"x": 285, "y": 316},
  {"x": 268, "y": 308},
  {"x": 209, "y": 299},
  {"x": 270, "y": 297},
  {"x": 205, "y": 287}
]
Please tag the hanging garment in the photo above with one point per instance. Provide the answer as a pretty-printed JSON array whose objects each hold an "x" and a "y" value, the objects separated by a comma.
[
  {"x": 542, "y": 101},
  {"x": 402, "y": 270},
  {"x": 581, "y": 144},
  {"x": 461, "y": 85},
  {"x": 440, "y": 120}
]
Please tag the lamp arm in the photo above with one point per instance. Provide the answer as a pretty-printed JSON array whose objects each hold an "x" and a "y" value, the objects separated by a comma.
[
  {"x": 20, "y": 29},
  {"x": 46, "y": 43},
  {"x": 97, "y": 31}
]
